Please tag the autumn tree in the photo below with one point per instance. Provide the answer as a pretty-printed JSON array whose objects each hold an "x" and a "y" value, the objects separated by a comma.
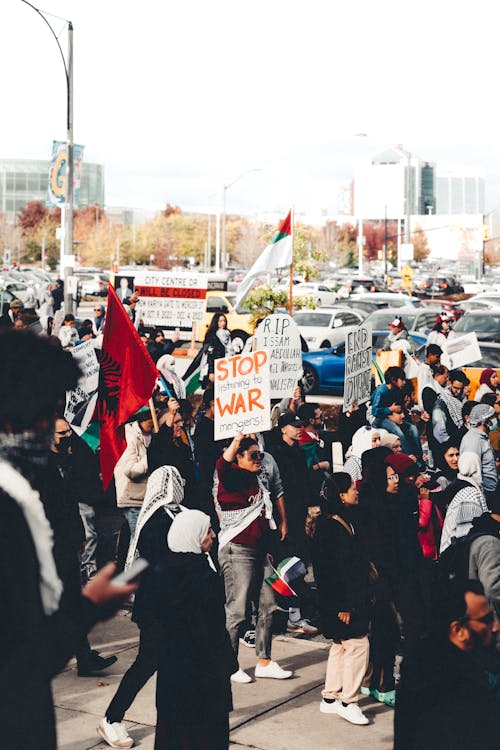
[
  {"x": 31, "y": 215},
  {"x": 421, "y": 249}
]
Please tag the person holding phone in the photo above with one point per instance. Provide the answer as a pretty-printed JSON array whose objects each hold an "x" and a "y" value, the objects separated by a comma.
[{"x": 37, "y": 636}]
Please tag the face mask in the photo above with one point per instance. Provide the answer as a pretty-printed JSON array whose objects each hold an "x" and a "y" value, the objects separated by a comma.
[
  {"x": 63, "y": 446},
  {"x": 494, "y": 424}
]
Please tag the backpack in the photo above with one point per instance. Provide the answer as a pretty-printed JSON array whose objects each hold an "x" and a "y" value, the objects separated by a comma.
[{"x": 453, "y": 563}]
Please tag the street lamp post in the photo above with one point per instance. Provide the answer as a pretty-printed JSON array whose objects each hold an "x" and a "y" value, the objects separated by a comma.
[
  {"x": 224, "y": 188},
  {"x": 67, "y": 266}
]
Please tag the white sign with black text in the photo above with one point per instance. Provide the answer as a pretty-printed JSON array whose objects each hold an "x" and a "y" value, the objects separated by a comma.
[
  {"x": 241, "y": 395},
  {"x": 358, "y": 366},
  {"x": 279, "y": 336}
]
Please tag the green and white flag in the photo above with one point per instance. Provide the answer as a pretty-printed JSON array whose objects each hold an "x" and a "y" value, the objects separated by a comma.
[{"x": 278, "y": 254}]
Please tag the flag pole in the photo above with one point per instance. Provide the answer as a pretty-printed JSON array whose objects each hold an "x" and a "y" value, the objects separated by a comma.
[
  {"x": 154, "y": 415},
  {"x": 290, "y": 278}
]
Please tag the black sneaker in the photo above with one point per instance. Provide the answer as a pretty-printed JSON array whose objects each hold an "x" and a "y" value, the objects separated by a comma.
[{"x": 89, "y": 664}]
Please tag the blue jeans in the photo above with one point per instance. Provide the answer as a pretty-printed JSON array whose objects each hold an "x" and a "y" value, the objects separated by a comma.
[
  {"x": 244, "y": 569},
  {"x": 131, "y": 515},
  {"x": 410, "y": 439}
]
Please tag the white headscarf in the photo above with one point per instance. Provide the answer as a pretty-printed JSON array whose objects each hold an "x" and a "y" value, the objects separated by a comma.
[
  {"x": 188, "y": 530},
  {"x": 362, "y": 440},
  {"x": 469, "y": 469}
]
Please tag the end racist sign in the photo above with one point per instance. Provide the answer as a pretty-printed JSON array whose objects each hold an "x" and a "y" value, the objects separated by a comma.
[
  {"x": 358, "y": 365},
  {"x": 241, "y": 395}
]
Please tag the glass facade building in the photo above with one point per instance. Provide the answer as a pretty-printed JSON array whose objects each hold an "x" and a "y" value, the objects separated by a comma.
[{"x": 25, "y": 180}]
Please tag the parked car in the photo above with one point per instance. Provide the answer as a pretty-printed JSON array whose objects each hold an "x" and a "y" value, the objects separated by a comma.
[
  {"x": 317, "y": 326},
  {"x": 415, "y": 319},
  {"x": 92, "y": 284},
  {"x": 362, "y": 303},
  {"x": 362, "y": 284},
  {"x": 321, "y": 294},
  {"x": 324, "y": 370},
  {"x": 437, "y": 286},
  {"x": 486, "y": 325},
  {"x": 6, "y": 298},
  {"x": 16, "y": 288},
  {"x": 391, "y": 299}
]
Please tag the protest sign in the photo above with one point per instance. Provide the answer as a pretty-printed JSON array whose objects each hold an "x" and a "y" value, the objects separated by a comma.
[
  {"x": 241, "y": 395},
  {"x": 174, "y": 300},
  {"x": 279, "y": 336},
  {"x": 460, "y": 351},
  {"x": 358, "y": 365},
  {"x": 80, "y": 403}
]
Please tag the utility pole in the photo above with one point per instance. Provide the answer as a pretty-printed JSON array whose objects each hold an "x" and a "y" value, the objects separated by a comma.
[{"x": 68, "y": 229}]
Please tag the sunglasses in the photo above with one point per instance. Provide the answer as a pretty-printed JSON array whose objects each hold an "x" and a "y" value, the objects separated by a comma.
[{"x": 256, "y": 456}]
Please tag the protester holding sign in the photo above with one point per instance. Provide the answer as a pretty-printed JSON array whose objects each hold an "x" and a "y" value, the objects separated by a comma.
[{"x": 245, "y": 541}]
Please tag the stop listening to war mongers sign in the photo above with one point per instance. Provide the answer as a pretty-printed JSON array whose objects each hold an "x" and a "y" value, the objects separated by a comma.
[
  {"x": 358, "y": 366},
  {"x": 241, "y": 395}
]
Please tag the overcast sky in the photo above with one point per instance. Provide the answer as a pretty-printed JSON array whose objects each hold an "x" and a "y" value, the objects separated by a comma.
[{"x": 177, "y": 99}]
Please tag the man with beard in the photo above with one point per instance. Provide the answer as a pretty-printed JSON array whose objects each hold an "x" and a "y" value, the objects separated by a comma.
[
  {"x": 37, "y": 636},
  {"x": 444, "y": 699}
]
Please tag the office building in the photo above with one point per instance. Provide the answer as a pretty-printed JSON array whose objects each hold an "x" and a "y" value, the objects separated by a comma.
[{"x": 25, "y": 180}]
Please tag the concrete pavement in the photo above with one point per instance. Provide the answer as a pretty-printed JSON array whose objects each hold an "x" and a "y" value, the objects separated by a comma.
[{"x": 268, "y": 714}]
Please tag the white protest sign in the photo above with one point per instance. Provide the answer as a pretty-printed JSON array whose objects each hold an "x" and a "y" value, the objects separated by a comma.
[
  {"x": 279, "y": 336},
  {"x": 80, "y": 403},
  {"x": 358, "y": 365},
  {"x": 174, "y": 300},
  {"x": 241, "y": 395},
  {"x": 460, "y": 351}
]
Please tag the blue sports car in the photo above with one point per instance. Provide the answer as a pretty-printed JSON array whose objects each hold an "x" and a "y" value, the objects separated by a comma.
[{"x": 324, "y": 369}]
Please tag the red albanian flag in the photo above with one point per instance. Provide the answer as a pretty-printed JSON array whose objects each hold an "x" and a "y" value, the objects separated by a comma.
[{"x": 127, "y": 377}]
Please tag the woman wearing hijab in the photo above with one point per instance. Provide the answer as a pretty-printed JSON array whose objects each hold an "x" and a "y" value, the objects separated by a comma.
[
  {"x": 488, "y": 383},
  {"x": 193, "y": 693},
  {"x": 341, "y": 569},
  {"x": 393, "y": 442},
  {"x": 162, "y": 502},
  {"x": 378, "y": 496},
  {"x": 466, "y": 500},
  {"x": 363, "y": 440}
]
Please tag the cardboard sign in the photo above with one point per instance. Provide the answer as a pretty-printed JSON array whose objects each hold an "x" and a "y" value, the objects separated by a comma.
[
  {"x": 358, "y": 366},
  {"x": 241, "y": 395},
  {"x": 80, "y": 403},
  {"x": 460, "y": 351},
  {"x": 279, "y": 336}
]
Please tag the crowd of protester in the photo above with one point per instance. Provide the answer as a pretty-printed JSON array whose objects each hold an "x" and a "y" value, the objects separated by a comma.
[{"x": 398, "y": 545}]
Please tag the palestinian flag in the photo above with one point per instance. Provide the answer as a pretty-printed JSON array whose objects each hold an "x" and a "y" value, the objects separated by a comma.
[
  {"x": 286, "y": 572},
  {"x": 278, "y": 254},
  {"x": 193, "y": 375}
]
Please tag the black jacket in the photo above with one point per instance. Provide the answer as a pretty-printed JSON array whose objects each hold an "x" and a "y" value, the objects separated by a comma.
[
  {"x": 341, "y": 567},
  {"x": 294, "y": 474},
  {"x": 165, "y": 451},
  {"x": 196, "y": 658},
  {"x": 444, "y": 701},
  {"x": 34, "y": 647}
]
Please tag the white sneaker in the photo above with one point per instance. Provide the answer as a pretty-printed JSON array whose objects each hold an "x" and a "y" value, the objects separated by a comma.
[
  {"x": 115, "y": 734},
  {"x": 302, "y": 626},
  {"x": 273, "y": 670},
  {"x": 329, "y": 708},
  {"x": 241, "y": 676},
  {"x": 352, "y": 713}
]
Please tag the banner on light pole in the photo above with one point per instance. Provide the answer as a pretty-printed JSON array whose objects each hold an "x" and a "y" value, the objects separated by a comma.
[{"x": 58, "y": 172}]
